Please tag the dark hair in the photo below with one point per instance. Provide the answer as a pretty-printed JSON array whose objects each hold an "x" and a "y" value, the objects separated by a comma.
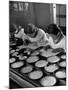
[
  {"x": 52, "y": 29},
  {"x": 12, "y": 28},
  {"x": 30, "y": 30}
]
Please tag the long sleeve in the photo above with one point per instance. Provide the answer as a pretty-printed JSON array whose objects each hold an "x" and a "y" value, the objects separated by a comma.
[
  {"x": 20, "y": 34},
  {"x": 60, "y": 44}
]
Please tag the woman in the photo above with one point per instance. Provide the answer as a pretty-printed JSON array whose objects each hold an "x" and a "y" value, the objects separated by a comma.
[{"x": 57, "y": 39}]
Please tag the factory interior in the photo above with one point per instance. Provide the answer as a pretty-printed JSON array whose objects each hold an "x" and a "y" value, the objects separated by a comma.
[{"x": 31, "y": 65}]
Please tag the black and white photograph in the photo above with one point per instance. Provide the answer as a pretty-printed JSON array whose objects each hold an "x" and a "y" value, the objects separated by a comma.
[{"x": 37, "y": 44}]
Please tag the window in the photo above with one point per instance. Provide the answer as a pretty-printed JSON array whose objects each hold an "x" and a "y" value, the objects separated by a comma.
[
  {"x": 61, "y": 15},
  {"x": 18, "y": 6}
]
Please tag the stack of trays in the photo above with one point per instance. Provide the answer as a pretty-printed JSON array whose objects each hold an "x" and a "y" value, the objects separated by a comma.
[{"x": 39, "y": 67}]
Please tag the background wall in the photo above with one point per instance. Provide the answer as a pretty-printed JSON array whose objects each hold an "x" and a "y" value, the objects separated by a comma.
[
  {"x": 22, "y": 17},
  {"x": 38, "y": 14},
  {"x": 61, "y": 16},
  {"x": 42, "y": 14}
]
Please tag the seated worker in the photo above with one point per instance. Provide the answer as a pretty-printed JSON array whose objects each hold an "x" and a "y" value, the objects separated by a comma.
[
  {"x": 54, "y": 31},
  {"x": 12, "y": 31},
  {"x": 19, "y": 32},
  {"x": 57, "y": 38},
  {"x": 35, "y": 35},
  {"x": 17, "y": 35},
  {"x": 30, "y": 34}
]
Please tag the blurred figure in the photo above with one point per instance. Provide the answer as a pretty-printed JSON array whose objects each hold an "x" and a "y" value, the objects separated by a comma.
[
  {"x": 55, "y": 32},
  {"x": 31, "y": 31},
  {"x": 57, "y": 39},
  {"x": 12, "y": 31},
  {"x": 19, "y": 33},
  {"x": 30, "y": 34}
]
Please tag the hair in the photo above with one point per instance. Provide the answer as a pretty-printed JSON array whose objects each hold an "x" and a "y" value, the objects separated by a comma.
[
  {"x": 12, "y": 28},
  {"x": 30, "y": 30},
  {"x": 52, "y": 29},
  {"x": 55, "y": 30}
]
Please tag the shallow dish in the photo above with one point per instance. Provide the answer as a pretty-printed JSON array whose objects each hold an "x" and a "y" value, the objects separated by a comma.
[
  {"x": 36, "y": 74},
  {"x": 48, "y": 81}
]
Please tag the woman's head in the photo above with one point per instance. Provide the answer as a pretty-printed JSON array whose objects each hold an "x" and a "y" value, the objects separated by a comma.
[
  {"x": 52, "y": 29},
  {"x": 30, "y": 30}
]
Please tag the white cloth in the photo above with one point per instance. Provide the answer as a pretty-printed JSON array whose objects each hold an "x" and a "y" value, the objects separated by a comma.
[{"x": 21, "y": 34}]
